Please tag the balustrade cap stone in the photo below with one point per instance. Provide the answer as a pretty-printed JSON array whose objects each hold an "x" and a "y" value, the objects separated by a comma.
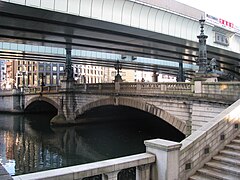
[
  {"x": 92, "y": 169},
  {"x": 186, "y": 145},
  {"x": 192, "y": 140},
  {"x": 162, "y": 144}
]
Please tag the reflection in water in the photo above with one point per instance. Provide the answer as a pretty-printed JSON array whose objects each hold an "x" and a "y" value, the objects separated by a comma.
[{"x": 29, "y": 144}]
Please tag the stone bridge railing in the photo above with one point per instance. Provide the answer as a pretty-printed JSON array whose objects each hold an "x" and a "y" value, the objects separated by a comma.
[
  {"x": 144, "y": 88},
  {"x": 225, "y": 91},
  {"x": 108, "y": 169}
]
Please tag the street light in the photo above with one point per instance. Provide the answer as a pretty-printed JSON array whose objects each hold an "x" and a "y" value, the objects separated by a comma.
[{"x": 118, "y": 67}]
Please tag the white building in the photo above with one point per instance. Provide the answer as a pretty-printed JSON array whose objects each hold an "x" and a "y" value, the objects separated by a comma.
[{"x": 88, "y": 73}]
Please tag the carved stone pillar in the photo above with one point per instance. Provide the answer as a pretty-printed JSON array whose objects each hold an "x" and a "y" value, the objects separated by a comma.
[
  {"x": 167, "y": 158},
  {"x": 143, "y": 172},
  {"x": 110, "y": 176}
]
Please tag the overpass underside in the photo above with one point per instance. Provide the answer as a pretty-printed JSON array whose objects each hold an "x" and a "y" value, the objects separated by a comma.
[{"x": 43, "y": 27}]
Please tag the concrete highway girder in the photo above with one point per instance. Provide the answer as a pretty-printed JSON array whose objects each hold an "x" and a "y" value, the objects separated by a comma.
[
  {"x": 29, "y": 25},
  {"x": 30, "y": 56}
]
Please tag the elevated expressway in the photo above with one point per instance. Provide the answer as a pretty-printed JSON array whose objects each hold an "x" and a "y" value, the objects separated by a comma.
[{"x": 119, "y": 27}]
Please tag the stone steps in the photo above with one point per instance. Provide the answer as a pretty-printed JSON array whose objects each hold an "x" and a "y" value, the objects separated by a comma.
[
  {"x": 236, "y": 141},
  {"x": 212, "y": 174},
  {"x": 199, "y": 177},
  {"x": 227, "y": 160},
  {"x": 218, "y": 166},
  {"x": 224, "y": 166},
  {"x": 233, "y": 146},
  {"x": 229, "y": 153}
]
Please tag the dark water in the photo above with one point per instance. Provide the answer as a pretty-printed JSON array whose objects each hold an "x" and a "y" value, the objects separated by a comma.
[{"x": 29, "y": 144}]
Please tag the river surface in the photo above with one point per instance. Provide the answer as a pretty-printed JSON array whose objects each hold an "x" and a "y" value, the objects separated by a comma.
[{"x": 29, "y": 144}]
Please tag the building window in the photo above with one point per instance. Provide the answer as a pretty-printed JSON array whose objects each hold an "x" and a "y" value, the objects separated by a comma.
[
  {"x": 48, "y": 68},
  {"x": 54, "y": 79},
  {"x": 61, "y": 68},
  {"x": 48, "y": 80},
  {"x": 221, "y": 39},
  {"x": 41, "y": 68}
]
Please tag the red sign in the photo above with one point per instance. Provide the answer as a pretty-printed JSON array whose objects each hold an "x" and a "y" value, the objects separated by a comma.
[{"x": 226, "y": 23}]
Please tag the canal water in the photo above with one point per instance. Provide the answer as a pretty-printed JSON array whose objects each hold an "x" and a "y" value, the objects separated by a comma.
[{"x": 29, "y": 144}]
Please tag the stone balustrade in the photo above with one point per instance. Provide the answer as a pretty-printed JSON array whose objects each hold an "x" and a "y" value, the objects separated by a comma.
[
  {"x": 221, "y": 90},
  {"x": 107, "y": 169},
  {"x": 225, "y": 91},
  {"x": 46, "y": 89},
  {"x": 133, "y": 87}
]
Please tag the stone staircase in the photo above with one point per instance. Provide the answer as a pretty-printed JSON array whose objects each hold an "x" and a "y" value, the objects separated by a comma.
[{"x": 225, "y": 165}]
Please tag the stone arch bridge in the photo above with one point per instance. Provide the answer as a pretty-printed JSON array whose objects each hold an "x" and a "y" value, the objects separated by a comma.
[{"x": 183, "y": 105}]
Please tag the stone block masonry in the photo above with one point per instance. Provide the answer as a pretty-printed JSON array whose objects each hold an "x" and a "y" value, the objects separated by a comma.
[{"x": 204, "y": 143}]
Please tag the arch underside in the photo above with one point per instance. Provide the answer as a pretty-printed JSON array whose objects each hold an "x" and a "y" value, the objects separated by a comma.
[
  {"x": 43, "y": 100},
  {"x": 141, "y": 105}
]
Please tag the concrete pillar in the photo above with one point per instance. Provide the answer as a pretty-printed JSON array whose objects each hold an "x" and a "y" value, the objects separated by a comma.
[
  {"x": 155, "y": 77},
  {"x": 167, "y": 158},
  {"x": 110, "y": 176},
  {"x": 143, "y": 172}
]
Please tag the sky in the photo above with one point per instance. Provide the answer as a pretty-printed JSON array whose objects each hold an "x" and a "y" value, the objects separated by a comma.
[{"x": 225, "y": 9}]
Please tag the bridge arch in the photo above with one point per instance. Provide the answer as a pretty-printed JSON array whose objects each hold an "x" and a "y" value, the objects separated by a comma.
[
  {"x": 137, "y": 104},
  {"x": 42, "y": 99}
]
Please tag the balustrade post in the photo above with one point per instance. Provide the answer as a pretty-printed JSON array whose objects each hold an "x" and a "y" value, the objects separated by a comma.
[
  {"x": 117, "y": 86},
  {"x": 197, "y": 86},
  {"x": 138, "y": 88},
  {"x": 167, "y": 158},
  {"x": 110, "y": 176},
  {"x": 143, "y": 172}
]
